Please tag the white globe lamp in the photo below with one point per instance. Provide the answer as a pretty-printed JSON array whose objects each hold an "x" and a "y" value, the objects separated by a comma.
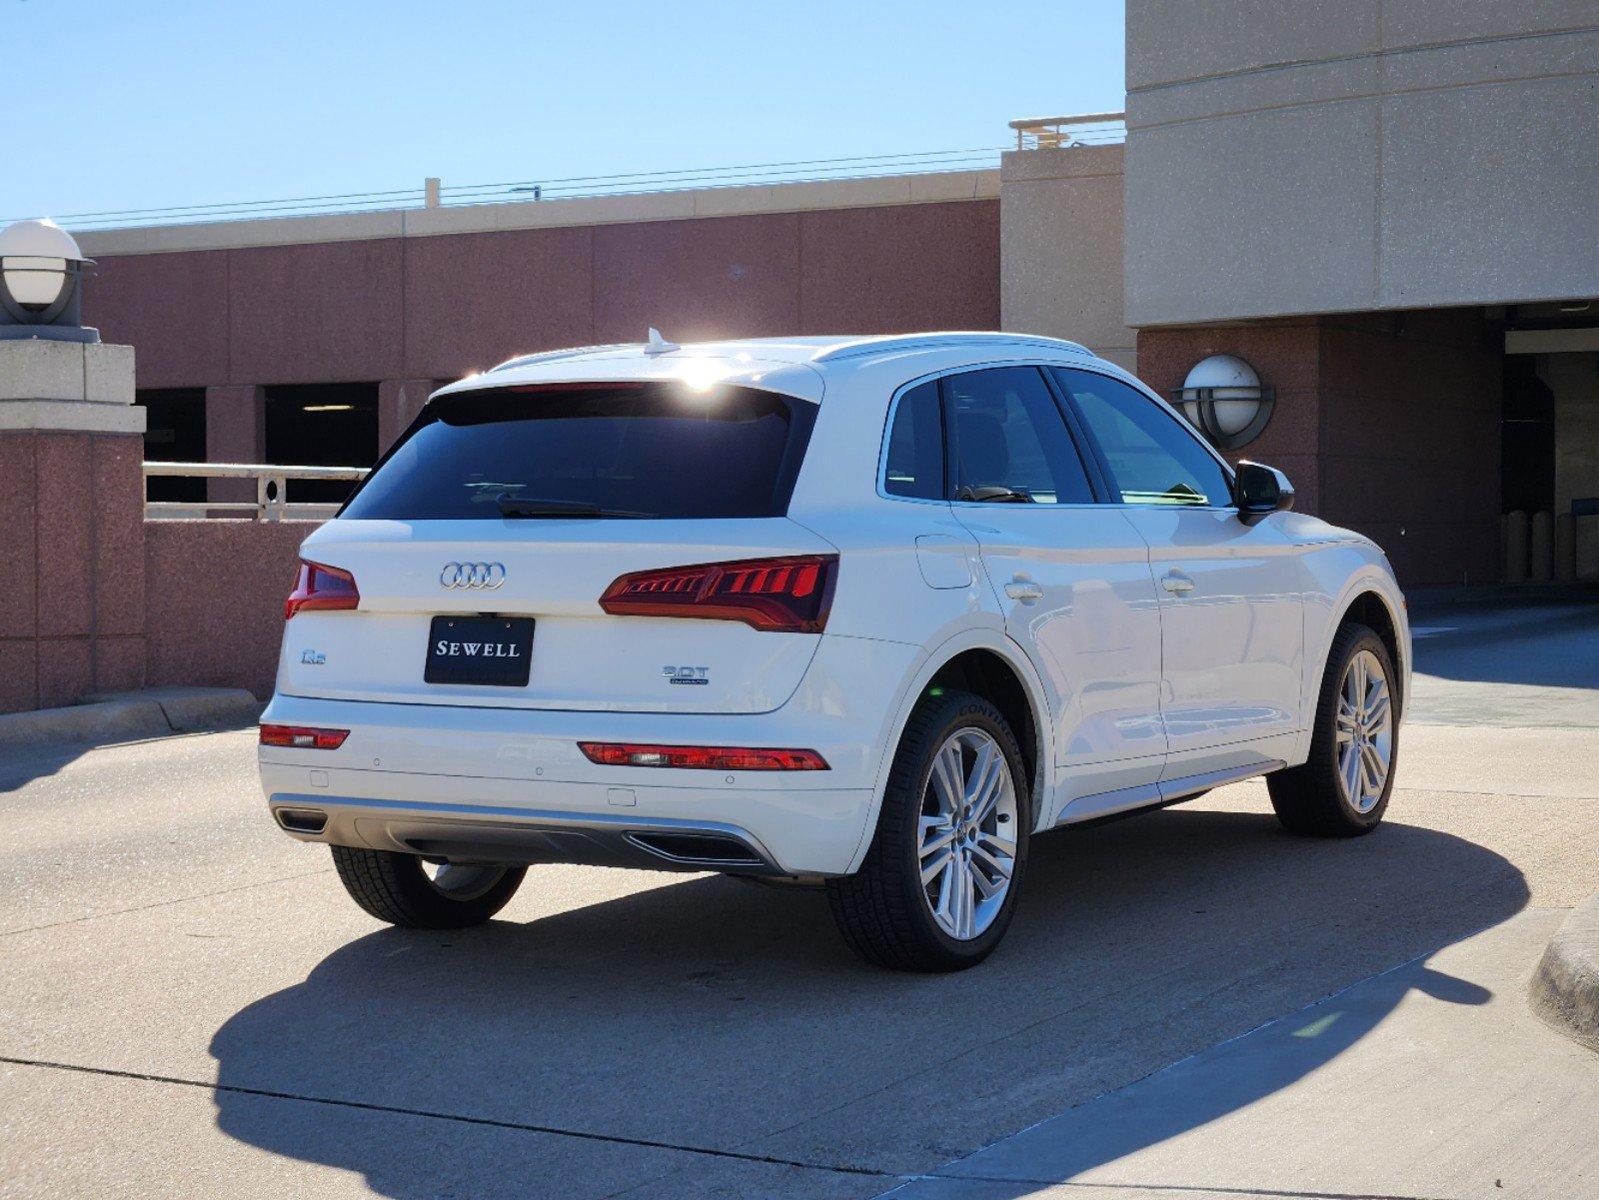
[
  {"x": 41, "y": 277},
  {"x": 1224, "y": 399}
]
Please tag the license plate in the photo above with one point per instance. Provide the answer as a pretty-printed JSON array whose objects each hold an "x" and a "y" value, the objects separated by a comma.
[{"x": 495, "y": 651}]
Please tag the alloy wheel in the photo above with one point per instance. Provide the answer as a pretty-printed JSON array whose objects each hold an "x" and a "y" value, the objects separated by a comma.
[
  {"x": 1365, "y": 732},
  {"x": 967, "y": 850}
]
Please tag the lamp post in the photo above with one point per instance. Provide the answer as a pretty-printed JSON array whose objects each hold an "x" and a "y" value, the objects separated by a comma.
[
  {"x": 41, "y": 284},
  {"x": 71, "y": 449},
  {"x": 1224, "y": 399}
]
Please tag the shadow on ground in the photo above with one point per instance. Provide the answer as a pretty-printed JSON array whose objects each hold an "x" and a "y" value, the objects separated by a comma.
[
  {"x": 21, "y": 765},
  {"x": 1538, "y": 645},
  {"x": 712, "y": 1014}
]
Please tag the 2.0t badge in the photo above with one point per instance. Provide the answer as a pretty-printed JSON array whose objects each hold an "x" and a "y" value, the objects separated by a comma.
[{"x": 691, "y": 676}]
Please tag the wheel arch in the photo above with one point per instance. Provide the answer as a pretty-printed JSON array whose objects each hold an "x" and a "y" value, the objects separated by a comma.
[
  {"x": 1367, "y": 603},
  {"x": 996, "y": 664}
]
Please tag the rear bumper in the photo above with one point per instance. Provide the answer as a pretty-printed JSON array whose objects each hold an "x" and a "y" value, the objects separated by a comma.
[
  {"x": 492, "y": 833},
  {"x": 511, "y": 784},
  {"x": 781, "y": 832}
]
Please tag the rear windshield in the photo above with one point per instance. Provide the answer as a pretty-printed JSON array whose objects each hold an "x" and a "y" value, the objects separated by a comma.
[{"x": 629, "y": 450}]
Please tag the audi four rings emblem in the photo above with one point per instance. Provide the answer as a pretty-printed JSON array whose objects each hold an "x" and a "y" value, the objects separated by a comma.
[{"x": 472, "y": 575}]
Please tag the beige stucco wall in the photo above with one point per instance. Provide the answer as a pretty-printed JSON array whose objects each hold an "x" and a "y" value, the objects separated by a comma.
[
  {"x": 1060, "y": 247},
  {"x": 1358, "y": 155}
]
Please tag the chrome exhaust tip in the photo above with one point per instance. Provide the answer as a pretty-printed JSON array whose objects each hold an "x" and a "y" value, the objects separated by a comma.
[{"x": 302, "y": 820}]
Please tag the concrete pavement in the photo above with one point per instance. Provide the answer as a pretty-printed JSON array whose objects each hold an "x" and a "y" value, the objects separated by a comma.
[
  {"x": 190, "y": 1005},
  {"x": 1430, "y": 1080}
]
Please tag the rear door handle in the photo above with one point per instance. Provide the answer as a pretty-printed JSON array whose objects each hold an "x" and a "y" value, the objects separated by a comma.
[
  {"x": 1024, "y": 590},
  {"x": 1176, "y": 583}
]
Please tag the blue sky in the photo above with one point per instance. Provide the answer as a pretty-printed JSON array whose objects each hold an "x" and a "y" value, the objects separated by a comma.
[{"x": 119, "y": 105}]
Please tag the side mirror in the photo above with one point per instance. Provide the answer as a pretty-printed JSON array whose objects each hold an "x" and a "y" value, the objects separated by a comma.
[{"x": 1260, "y": 491}]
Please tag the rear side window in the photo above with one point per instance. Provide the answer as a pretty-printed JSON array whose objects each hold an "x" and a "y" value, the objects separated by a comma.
[
  {"x": 1010, "y": 434},
  {"x": 914, "y": 464},
  {"x": 1153, "y": 457},
  {"x": 624, "y": 449}
]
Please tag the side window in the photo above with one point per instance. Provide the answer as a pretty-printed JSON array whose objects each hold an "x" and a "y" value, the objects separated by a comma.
[
  {"x": 1010, "y": 434},
  {"x": 914, "y": 464},
  {"x": 1153, "y": 457}
]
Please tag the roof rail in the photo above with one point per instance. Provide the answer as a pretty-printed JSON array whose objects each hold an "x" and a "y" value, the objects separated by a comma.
[
  {"x": 933, "y": 341},
  {"x": 544, "y": 356}
]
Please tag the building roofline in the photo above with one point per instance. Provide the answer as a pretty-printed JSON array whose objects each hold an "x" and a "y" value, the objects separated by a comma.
[{"x": 689, "y": 204}]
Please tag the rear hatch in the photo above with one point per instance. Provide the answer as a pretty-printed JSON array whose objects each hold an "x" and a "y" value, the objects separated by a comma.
[{"x": 495, "y": 527}]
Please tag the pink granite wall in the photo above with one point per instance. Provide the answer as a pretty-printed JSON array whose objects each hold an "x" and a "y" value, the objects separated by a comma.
[
  {"x": 216, "y": 593},
  {"x": 438, "y": 307},
  {"x": 71, "y": 527},
  {"x": 1386, "y": 422},
  {"x": 407, "y": 313}
]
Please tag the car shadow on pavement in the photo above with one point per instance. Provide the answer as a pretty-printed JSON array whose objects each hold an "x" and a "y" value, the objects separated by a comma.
[{"x": 709, "y": 1013}]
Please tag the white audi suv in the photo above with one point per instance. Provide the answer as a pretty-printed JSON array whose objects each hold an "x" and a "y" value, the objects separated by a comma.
[{"x": 861, "y": 613}]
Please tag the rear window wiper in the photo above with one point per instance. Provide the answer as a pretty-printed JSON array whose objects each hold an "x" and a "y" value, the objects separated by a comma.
[
  {"x": 517, "y": 506},
  {"x": 994, "y": 495}
]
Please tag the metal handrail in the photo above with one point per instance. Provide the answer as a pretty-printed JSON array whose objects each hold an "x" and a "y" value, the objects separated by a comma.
[
  {"x": 271, "y": 490},
  {"x": 1084, "y": 129},
  {"x": 567, "y": 187}
]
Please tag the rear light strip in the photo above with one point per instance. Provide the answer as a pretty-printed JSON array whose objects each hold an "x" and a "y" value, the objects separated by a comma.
[
  {"x": 704, "y": 758},
  {"x": 785, "y": 595},
  {"x": 302, "y": 737},
  {"x": 320, "y": 587}
]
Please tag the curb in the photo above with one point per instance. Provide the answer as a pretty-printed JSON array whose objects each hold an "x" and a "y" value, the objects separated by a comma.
[
  {"x": 131, "y": 716},
  {"x": 1565, "y": 988}
]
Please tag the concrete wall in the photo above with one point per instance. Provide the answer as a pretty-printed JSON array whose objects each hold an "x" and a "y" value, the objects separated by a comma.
[
  {"x": 1359, "y": 155},
  {"x": 217, "y": 590},
  {"x": 1060, "y": 247},
  {"x": 435, "y": 294},
  {"x": 1388, "y": 424}
]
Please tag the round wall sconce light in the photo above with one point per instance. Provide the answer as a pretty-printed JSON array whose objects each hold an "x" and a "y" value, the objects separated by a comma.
[
  {"x": 1224, "y": 399},
  {"x": 41, "y": 284}
]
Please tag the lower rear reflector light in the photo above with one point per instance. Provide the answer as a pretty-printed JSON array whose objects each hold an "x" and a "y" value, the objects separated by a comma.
[
  {"x": 704, "y": 758},
  {"x": 302, "y": 738}
]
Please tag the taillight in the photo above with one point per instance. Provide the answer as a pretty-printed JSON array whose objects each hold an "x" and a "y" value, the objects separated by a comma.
[
  {"x": 303, "y": 738},
  {"x": 705, "y": 758},
  {"x": 320, "y": 587},
  {"x": 789, "y": 595}
]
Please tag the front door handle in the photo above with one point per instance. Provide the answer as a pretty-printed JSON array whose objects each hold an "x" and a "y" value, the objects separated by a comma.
[
  {"x": 1024, "y": 590},
  {"x": 1176, "y": 583}
]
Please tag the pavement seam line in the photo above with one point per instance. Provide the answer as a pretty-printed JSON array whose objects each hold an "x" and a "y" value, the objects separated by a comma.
[
  {"x": 120, "y": 912},
  {"x": 1494, "y": 795},
  {"x": 489, "y": 1122}
]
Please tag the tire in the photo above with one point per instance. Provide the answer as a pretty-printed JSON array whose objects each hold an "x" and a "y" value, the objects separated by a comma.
[
  {"x": 395, "y": 888},
  {"x": 885, "y": 912},
  {"x": 1318, "y": 798}
]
